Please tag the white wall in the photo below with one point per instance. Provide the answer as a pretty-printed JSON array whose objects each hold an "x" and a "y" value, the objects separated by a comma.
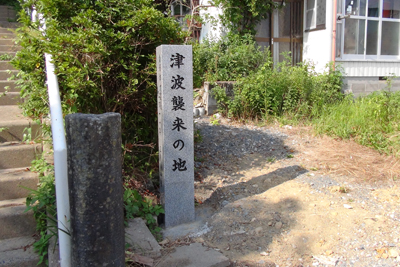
[
  {"x": 209, "y": 30},
  {"x": 317, "y": 45}
]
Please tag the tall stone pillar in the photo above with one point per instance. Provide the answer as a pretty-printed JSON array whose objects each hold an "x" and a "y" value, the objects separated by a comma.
[{"x": 96, "y": 190}]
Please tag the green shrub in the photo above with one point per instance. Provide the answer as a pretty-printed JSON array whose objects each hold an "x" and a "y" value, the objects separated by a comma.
[
  {"x": 227, "y": 59},
  {"x": 292, "y": 90},
  {"x": 104, "y": 53}
]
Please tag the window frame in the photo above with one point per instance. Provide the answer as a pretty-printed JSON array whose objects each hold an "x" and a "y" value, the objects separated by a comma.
[
  {"x": 180, "y": 17},
  {"x": 318, "y": 4},
  {"x": 364, "y": 57}
]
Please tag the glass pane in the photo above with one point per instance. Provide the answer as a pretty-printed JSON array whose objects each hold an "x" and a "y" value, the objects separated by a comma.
[
  {"x": 321, "y": 12},
  {"x": 339, "y": 6},
  {"x": 338, "y": 39},
  {"x": 310, "y": 19},
  {"x": 356, "y": 7},
  {"x": 263, "y": 29},
  {"x": 373, "y": 8},
  {"x": 310, "y": 4},
  {"x": 391, "y": 9},
  {"x": 185, "y": 10},
  {"x": 354, "y": 35},
  {"x": 390, "y": 38},
  {"x": 263, "y": 45},
  {"x": 284, "y": 51},
  {"x": 283, "y": 22},
  {"x": 372, "y": 37},
  {"x": 177, "y": 10}
]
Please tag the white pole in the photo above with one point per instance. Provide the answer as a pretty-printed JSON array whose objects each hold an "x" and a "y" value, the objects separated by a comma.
[
  {"x": 60, "y": 158},
  {"x": 60, "y": 165}
]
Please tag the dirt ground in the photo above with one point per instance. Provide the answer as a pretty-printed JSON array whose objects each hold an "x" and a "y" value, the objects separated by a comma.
[{"x": 314, "y": 201}]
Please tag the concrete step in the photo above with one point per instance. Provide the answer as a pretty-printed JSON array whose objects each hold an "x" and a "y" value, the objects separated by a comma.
[
  {"x": 13, "y": 125},
  {"x": 5, "y": 74},
  {"x": 8, "y": 15},
  {"x": 18, "y": 202},
  {"x": 11, "y": 113},
  {"x": 4, "y": 30},
  {"x": 7, "y": 9},
  {"x": 9, "y": 25},
  {"x": 18, "y": 155},
  {"x": 6, "y": 41},
  {"x": 12, "y": 182},
  {"x": 5, "y": 65},
  {"x": 8, "y": 55},
  {"x": 10, "y": 84},
  {"x": 9, "y": 48},
  {"x": 18, "y": 252},
  {"x": 10, "y": 98},
  {"x": 14, "y": 221},
  {"x": 7, "y": 35},
  {"x": 15, "y": 130}
]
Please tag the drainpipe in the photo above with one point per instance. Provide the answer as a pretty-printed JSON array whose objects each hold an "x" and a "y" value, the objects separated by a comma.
[
  {"x": 334, "y": 32},
  {"x": 60, "y": 158}
]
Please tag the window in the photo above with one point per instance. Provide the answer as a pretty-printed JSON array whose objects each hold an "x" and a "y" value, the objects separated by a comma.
[
  {"x": 369, "y": 29},
  {"x": 315, "y": 15},
  {"x": 179, "y": 9}
]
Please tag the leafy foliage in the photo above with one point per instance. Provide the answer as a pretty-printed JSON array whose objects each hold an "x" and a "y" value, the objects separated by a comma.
[
  {"x": 137, "y": 206},
  {"x": 42, "y": 202},
  {"x": 227, "y": 59},
  {"x": 241, "y": 16},
  {"x": 104, "y": 53},
  {"x": 285, "y": 89},
  {"x": 104, "y": 56}
]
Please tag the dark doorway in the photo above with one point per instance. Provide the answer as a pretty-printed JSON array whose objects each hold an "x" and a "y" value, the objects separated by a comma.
[{"x": 285, "y": 25}]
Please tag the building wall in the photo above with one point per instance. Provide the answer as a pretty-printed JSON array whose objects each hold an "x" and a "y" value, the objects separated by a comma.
[
  {"x": 317, "y": 45},
  {"x": 208, "y": 29},
  {"x": 365, "y": 77},
  {"x": 360, "y": 86}
]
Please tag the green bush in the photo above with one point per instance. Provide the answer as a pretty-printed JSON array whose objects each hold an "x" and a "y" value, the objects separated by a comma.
[
  {"x": 104, "y": 53},
  {"x": 285, "y": 89},
  {"x": 227, "y": 59}
]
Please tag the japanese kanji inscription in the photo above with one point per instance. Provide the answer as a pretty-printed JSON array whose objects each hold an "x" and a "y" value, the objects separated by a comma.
[{"x": 175, "y": 122}]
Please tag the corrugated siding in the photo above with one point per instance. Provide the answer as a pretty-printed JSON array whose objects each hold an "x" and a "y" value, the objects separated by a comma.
[{"x": 369, "y": 68}]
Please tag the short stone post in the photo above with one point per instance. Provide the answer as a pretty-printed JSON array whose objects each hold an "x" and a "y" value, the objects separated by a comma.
[
  {"x": 175, "y": 132},
  {"x": 96, "y": 190}
]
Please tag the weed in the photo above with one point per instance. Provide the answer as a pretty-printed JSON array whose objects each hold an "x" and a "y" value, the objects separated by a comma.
[
  {"x": 350, "y": 200},
  {"x": 214, "y": 120},
  {"x": 199, "y": 159},
  {"x": 371, "y": 120},
  {"x": 6, "y": 57},
  {"x": 27, "y": 136},
  {"x": 198, "y": 138},
  {"x": 3, "y": 129},
  {"x": 42, "y": 202},
  {"x": 314, "y": 169},
  {"x": 137, "y": 206},
  {"x": 343, "y": 189},
  {"x": 289, "y": 156},
  {"x": 271, "y": 159}
]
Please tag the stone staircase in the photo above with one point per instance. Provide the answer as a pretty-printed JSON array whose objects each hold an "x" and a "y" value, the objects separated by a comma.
[{"x": 16, "y": 227}]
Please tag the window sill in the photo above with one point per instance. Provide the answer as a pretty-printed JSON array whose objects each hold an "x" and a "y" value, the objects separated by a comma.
[{"x": 318, "y": 28}]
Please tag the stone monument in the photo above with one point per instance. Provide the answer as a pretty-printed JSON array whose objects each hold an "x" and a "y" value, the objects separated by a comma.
[
  {"x": 175, "y": 132},
  {"x": 96, "y": 190}
]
